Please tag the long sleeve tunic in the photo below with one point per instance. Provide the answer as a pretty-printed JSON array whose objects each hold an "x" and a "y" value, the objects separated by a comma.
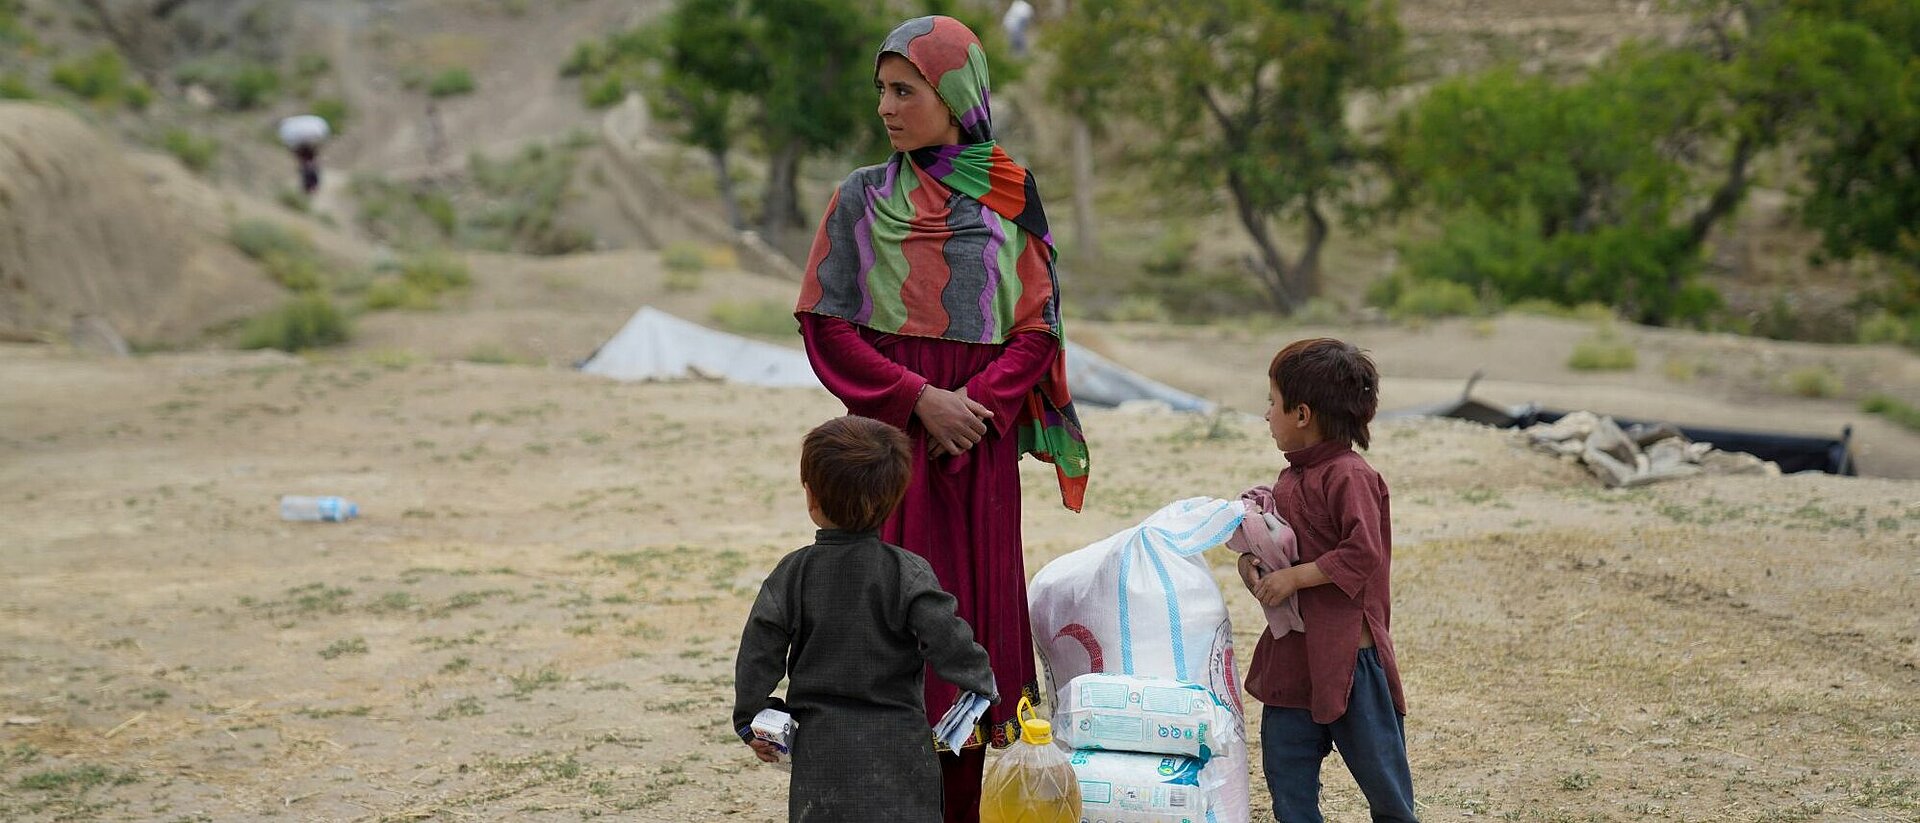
[
  {"x": 961, "y": 513},
  {"x": 1339, "y": 510},
  {"x": 850, "y": 621}
]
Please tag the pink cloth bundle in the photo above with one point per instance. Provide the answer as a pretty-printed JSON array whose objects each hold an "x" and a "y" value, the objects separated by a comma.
[{"x": 1266, "y": 535}]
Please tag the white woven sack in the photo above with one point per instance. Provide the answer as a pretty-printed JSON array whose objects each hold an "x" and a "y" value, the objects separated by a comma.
[{"x": 1144, "y": 602}]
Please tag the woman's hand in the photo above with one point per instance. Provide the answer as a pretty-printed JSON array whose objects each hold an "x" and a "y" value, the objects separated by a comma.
[{"x": 954, "y": 423}]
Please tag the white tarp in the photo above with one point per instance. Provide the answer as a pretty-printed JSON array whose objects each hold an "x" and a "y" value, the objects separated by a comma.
[
  {"x": 655, "y": 345},
  {"x": 1097, "y": 381}
]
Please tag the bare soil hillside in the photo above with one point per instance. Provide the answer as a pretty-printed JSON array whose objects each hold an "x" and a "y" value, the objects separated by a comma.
[{"x": 85, "y": 229}]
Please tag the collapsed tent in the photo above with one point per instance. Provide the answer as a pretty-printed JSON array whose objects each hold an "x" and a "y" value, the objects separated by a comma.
[
  {"x": 1097, "y": 381},
  {"x": 655, "y": 345},
  {"x": 1791, "y": 452}
]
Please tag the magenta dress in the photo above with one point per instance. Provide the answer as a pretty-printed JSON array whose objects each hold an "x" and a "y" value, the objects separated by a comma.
[{"x": 961, "y": 513}]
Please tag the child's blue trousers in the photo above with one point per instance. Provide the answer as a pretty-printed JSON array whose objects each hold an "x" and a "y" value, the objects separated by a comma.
[{"x": 1371, "y": 737}]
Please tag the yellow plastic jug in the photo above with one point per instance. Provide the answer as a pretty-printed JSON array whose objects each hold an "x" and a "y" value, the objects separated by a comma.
[{"x": 1032, "y": 782}]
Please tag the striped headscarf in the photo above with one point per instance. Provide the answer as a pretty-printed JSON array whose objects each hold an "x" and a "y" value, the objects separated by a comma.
[{"x": 952, "y": 242}]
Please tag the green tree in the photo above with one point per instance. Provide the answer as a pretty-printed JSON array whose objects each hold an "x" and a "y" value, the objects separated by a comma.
[
  {"x": 792, "y": 76},
  {"x": 1620, "y": 177},
  {"x": 706, "y": 70},
  {"x": 817, "y": 95},
  {"x": 1248, "y": 95},
  {"x": 1858, "y": 63},
  {"x": 1566, "y": 192}
]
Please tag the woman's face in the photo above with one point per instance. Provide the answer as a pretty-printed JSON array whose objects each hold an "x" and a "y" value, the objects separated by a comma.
[{"x": 914, "y": 114}]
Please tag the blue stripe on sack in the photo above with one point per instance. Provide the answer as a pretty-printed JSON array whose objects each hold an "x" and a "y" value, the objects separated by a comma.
[
  {"x": 1173, "y": 617},
  {"x": 1215, "y": 540},
  {"x": 1225, "y": 532},
  {"x": 1126, "y": 624}
]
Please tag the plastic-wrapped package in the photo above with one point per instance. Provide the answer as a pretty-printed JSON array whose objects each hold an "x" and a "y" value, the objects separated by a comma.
[{"x": 1134, "y": 713}]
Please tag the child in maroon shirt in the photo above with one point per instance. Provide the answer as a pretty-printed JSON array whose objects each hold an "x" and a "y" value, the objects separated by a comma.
[{"x": 1335, "y": 684}]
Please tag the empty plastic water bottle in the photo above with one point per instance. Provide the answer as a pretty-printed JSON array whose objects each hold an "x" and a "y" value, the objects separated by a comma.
[{"x": 322, "y": 509}]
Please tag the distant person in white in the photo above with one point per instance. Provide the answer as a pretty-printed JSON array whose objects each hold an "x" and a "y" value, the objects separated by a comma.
[
  {"x": 303, "y": 135},
  {"x": 1018, "y": 18}
]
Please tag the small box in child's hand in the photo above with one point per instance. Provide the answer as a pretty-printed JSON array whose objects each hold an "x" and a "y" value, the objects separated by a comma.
[{"x": 776, "y": 727}]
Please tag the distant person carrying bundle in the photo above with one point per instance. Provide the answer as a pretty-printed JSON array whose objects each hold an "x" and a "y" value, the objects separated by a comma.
[
  {"x": 303, "y": 135},
  {"x": 1016, "y": 22}
]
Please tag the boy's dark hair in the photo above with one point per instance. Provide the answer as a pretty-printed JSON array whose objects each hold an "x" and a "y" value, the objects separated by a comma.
[
  {"x": 857, "y": 469},
  {"x": 1336, "y": 380}
]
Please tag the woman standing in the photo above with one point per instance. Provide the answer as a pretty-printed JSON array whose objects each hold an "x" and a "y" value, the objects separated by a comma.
[{"x": 930, "y": 303}]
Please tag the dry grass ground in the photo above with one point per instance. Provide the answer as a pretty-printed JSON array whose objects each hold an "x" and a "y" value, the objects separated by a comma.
[{"x": 535, "y": 618}]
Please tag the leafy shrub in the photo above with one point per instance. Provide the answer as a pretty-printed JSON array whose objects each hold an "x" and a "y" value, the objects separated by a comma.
[
  {"x": 438, "y": 208},
  {"x": 333, "y": 110},
  {"x": 394, "y": 293},
  {"x": 527, "y": 192},
  {"x": 1539, "y": 307},
  {"x": 491, "y": 354},
  {"x": 1140, "y": 308},
  {"x": 259, "y": 238},
  {"x": 292, "y": 199},
  {"x": 251, "y": 87},
  {"x": 304, "y": 322},
  {"x": 1893, "y": 409},
  {"x": 403, "y": 214},
  {"x": 436, "y": 272},
  {"x": 588, "y": 56},
  {"x": 1321, "y": 311},
  {"x": 451, "y": 83},
  {"x": 296, "y": 272},
  {"x": 194, "y": 151},
  {"x": 11, "y": 29},
  {"x": 684, "y": 262},
  {"x": 1884, "y": 327},
  {"x": 102, "y": 78},
  {"x": 766, "y": 318},
  {"x": 136, "y": 95},
  {"x": 13, "y": 86},
  {"x": 1171, "y": 276},
  {"x": 416, "y": 282},
  {"x": 1172, "y": 253},
  {"x": 287, "y": 256},
  {"x": 240, "y": 86},
  {"x": 1603, "y": 351},
  {"x": 1812, "y": 381},
  {"x": 684, "y": 257},
  {"x": 602, "y": 93},
  {"x": 1430, "y": 299}
]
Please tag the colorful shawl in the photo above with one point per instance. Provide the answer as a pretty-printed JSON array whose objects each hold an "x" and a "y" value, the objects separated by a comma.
[{"x": 934, "y": 243}]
